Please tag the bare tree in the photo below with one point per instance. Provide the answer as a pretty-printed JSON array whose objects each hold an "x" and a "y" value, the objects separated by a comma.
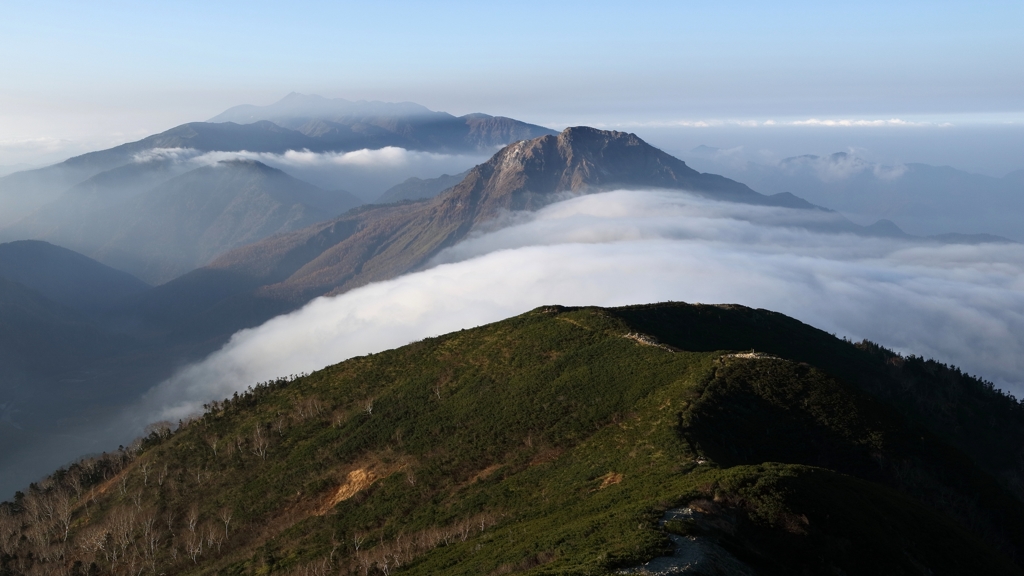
[
  {"x": 92, "y": 539},
  {"x": 169, "y": 519},
  {"x": 260, "y": 442},
  {"x": 213, "y": 536},
  {"x": 194, "y": 546},
  {"x": 121, "y": 524},
  {"x": 144, "y": 468},
  {"x": 137, "y": 498},
  {"x": 368, "y": 407},
  {"x": 10, "y": 525},
  {"x": 365, "y": 561},
  {"x": 309, "y": 408},
  {"x": 73, "y": 480},
  {"x": 213, "y": 440},
  {"x": 63, "y": 509},
  {"x": 225, "y": 517},
  {"x": 192, "y": 517}
]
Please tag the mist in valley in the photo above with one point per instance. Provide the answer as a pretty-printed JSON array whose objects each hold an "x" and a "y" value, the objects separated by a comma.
[{"x": 959, "y": 303}]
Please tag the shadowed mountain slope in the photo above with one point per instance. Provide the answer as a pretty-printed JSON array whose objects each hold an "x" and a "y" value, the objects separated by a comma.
[
  {"x": 67, "y": 277},
  {"x": 184, "y": 222},
  {"x": 419, "y": 188},
  {"x": 48, "y": 358},
  {"x": 561, "y": 441}
]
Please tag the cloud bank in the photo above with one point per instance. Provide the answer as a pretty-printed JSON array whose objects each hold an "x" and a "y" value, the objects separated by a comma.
[
  {"x": 366, "y": 173},
  {"x": 960, "y": 304},
  {"x": 807, "y": 122}
]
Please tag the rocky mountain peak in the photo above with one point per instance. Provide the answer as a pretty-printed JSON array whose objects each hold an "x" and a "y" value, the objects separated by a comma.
[{"x": 524, "y": 175}]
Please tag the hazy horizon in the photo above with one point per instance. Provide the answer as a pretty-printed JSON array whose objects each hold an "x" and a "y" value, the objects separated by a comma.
[{"x": 829, "y": 77}]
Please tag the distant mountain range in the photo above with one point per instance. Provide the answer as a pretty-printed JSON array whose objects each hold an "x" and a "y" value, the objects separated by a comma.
[
  {"x": 251, "y": 284},
  {"x": 922, "y": 199},
  {"x": 407, "y": 126},
  {"x": 378, "y": 242},
  {"x": 338, "y": 124},
  {"x": 162, "y": 232}
]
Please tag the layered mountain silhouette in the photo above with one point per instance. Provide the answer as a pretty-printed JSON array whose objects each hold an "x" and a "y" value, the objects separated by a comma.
[
  {"x": 326, "y": 128},
  {"x": 637, "y": 440},
  {"x": 247, "y": 286},
  {"x": 339, "y": 124},
  {"x": 380, "y": 242},
  {"x": 160, "y": 233},
  {"x": 27, "y": 191},
  {"x": 66, "y": 277},
  {"x": 923, "y": 199},
  {"x": 55, "y": 343}
]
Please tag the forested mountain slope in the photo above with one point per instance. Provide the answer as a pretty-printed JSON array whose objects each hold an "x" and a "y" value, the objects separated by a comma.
[{"x": 562, "y": 441}]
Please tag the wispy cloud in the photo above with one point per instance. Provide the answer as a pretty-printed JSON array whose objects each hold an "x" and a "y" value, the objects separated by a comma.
[
  {"x": 769, "y": 123},
  {"x": 366, "y": 172},
  {"x": 388, "y": 157},
  {"x": 848, "y": 123},
  {"x": 961, "y": 304},
  {"x": 840, "y": 166}
]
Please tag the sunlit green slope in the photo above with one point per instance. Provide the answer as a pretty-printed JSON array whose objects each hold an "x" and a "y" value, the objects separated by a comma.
[{"x": 562, "y": 441}]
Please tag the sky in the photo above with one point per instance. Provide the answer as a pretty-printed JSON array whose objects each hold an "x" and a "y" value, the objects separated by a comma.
[{"x": 81, "y": 76}]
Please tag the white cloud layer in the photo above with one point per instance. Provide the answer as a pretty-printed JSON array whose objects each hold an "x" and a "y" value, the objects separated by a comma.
[
  {"x": 962, "y": 304},
  {"x": 806, "y": 122},
  {"x": 366, "y": 173},
  {"x": 387, "y": 157}
]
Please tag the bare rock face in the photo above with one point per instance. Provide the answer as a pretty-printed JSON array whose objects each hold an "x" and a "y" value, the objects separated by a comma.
[
  {"x": 524, "y": 175},
  {"x": 379, "y": 242}
]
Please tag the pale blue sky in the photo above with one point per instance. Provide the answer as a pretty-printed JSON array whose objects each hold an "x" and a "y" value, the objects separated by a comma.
[{"x": 107, "y": 71}]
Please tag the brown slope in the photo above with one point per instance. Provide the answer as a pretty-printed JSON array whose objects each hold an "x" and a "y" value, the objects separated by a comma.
[
  {"x": 384, "y": 242},
  {"x": 375, "y": 243}
]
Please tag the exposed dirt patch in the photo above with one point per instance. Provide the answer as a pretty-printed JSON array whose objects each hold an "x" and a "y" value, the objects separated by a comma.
[
  {"x": 356, "y": 481},
  {"x": 485, "y": 473},
  {"x": 610, "y": 479}
]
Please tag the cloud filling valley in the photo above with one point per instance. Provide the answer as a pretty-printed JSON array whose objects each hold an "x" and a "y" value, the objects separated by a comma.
[{"x": 960, "y": 304}]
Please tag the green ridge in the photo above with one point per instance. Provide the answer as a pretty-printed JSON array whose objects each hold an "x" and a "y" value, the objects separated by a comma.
[{"x": 553, "y": 443}]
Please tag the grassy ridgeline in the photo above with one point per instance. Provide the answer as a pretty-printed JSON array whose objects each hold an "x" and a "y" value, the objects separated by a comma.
[{"x": 552, "y": 442}]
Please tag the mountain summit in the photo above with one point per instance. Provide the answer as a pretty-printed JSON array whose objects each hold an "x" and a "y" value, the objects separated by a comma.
[
  {"x": 247, "y": 286},
  {"x": 524, "y": 175}
]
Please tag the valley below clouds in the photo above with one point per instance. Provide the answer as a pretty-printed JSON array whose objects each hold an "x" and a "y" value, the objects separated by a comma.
[{"x": 960, "y": 304}]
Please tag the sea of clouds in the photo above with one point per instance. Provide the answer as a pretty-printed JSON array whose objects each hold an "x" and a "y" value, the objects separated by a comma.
[{"x": 961, "y": 304}]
